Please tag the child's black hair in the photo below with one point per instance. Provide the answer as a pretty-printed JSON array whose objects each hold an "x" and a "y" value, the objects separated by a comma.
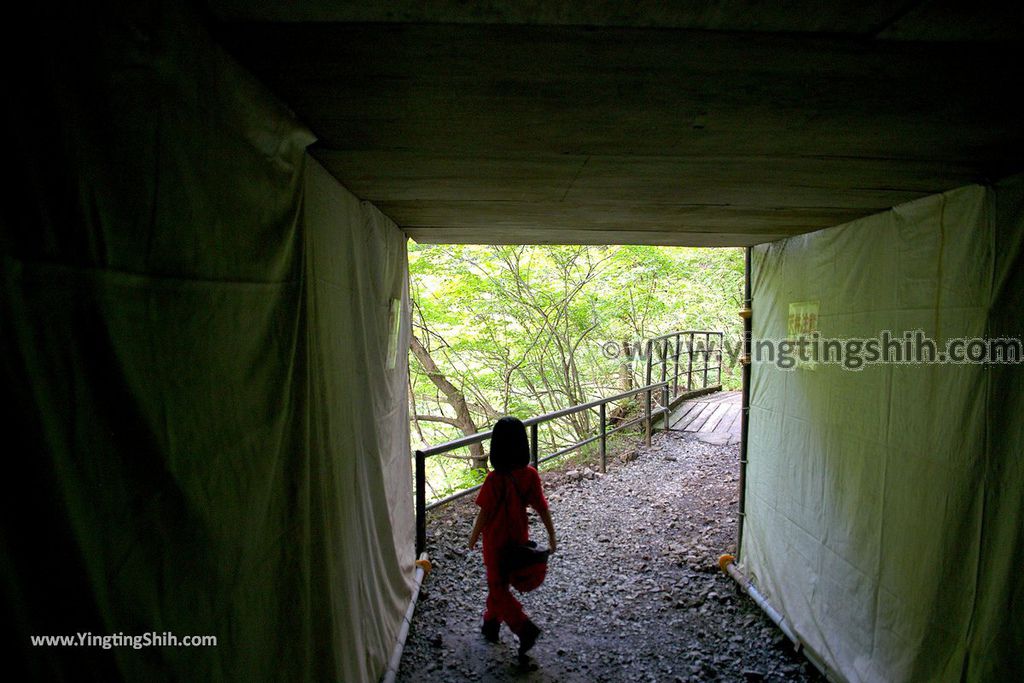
[{"x": 510, "y": 449}]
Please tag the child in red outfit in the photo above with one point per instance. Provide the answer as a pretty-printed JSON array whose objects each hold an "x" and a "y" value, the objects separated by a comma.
[{"x": 507, "y": 491}]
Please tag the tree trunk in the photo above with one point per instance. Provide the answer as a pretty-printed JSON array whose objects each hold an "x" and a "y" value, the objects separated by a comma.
[
  {"x": 626, "y": 367},
  {"x": 456, "y": 399}
]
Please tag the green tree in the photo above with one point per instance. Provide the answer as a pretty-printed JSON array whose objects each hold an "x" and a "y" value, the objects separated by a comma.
[{"x": 519, "y": 329}]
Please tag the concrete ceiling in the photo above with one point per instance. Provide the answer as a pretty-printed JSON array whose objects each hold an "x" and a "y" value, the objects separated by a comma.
[{"x": 719, "y": 123}]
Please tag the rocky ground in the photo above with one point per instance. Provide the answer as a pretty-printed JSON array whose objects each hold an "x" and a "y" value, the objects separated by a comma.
[{"x": 633, "y": 594}]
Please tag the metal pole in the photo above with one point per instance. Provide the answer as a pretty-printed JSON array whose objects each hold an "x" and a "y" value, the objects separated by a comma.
[
  {"x": 604, "y": 439},
  {"x": 533, "y": 445},
  {"x": 728, "y": 565},
  {"x": 668, "y": 407},
  {"x": 721, "y": 345},
  {"x": 675, "y": 375},
  {"x": 689, "y": 364},
  {"x": 395, "y": 662},
  {"x": 649, "y": 359},
  {"x": 745, "y": 414},
  {"x": 707, "y": 342},
  {"x": 647, "y": 436},
  {"x": 421, "y": 502},
  {"x": 664, "y": 360}
]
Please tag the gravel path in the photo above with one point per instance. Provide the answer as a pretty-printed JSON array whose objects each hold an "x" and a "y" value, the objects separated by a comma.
[{"x": 634, "y": 592}]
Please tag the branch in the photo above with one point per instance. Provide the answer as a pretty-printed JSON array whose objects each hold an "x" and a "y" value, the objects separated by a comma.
[
  {"x": 455, "y": 398},
  {"x": 438, "y": 418}
]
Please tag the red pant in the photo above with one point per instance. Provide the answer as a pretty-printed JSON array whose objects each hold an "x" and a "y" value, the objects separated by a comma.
[{"x": 501, "y": 604}]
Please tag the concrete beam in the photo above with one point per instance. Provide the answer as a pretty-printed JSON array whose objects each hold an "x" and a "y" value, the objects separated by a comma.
[{"x": 498, "y": 133}]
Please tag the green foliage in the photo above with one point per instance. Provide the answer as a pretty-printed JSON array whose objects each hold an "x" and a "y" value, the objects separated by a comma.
[
  {"x": 519, "y": 329},
  {"x": 449, "y": 475}
]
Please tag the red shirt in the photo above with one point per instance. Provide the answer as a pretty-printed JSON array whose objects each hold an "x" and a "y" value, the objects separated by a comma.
[{"x": 504, "y": 496}]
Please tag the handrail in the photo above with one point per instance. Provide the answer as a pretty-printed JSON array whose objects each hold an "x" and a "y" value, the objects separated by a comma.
[
  {"x": 464, "y": 441},
  {"x": 532, "y": 423},
  {"x": 670, "y": 346},
  {"x": 680, "y": 332},
  {"x": 669, "y": 386}
]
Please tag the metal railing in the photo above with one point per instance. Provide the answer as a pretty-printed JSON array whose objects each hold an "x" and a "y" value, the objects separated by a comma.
[
  {"x": 647, "y": 419},
  {"x": 670, "y": 347}
]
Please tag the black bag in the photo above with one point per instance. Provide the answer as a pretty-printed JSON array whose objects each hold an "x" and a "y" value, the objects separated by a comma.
[{"x": 518, "y": 557}]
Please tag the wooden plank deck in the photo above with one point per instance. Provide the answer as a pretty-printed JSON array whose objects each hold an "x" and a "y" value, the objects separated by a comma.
[{"x": 714, "y": 418}]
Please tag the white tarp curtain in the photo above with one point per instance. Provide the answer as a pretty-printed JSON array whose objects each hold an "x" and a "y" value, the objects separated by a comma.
[
  {"x": 202, "y": 431},
  {"x": 883, "y": 513},
  {"x": 359, "y": 433}
]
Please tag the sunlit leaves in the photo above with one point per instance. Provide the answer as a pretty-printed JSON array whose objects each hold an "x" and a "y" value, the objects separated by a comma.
[{"x": 518, "y": 328}]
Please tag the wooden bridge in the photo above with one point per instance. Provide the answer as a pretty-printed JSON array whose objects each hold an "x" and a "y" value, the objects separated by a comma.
[{"x": 714, "y": 418}]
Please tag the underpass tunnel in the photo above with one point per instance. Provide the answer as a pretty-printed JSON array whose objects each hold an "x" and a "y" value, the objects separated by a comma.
[{"x": 205, "y": 305}]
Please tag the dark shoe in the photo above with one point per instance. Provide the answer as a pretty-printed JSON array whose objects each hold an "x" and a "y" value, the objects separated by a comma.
[
  {"x": 528, "y": 637},
  {"x": 490, "y": 630}
]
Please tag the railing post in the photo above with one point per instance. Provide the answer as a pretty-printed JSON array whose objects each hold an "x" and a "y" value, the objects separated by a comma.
[
  {"x": 668, "y": 407},
  {"x": 421, "y": 502},
  {"x": 745, "y": 410},
  {"x": 604, "y": 439},
  {"x": 689, "y": 364},
  {"x": 664, "y": 360},
  {"x": 675, "y": 374},
  {"x": 650, "y": 358},
  {"x": 647, "y": 436},
  {"x": 533, "y": 445},
  {"x": 707, "y": 343},
  {"x": 721, "y": 345}
]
